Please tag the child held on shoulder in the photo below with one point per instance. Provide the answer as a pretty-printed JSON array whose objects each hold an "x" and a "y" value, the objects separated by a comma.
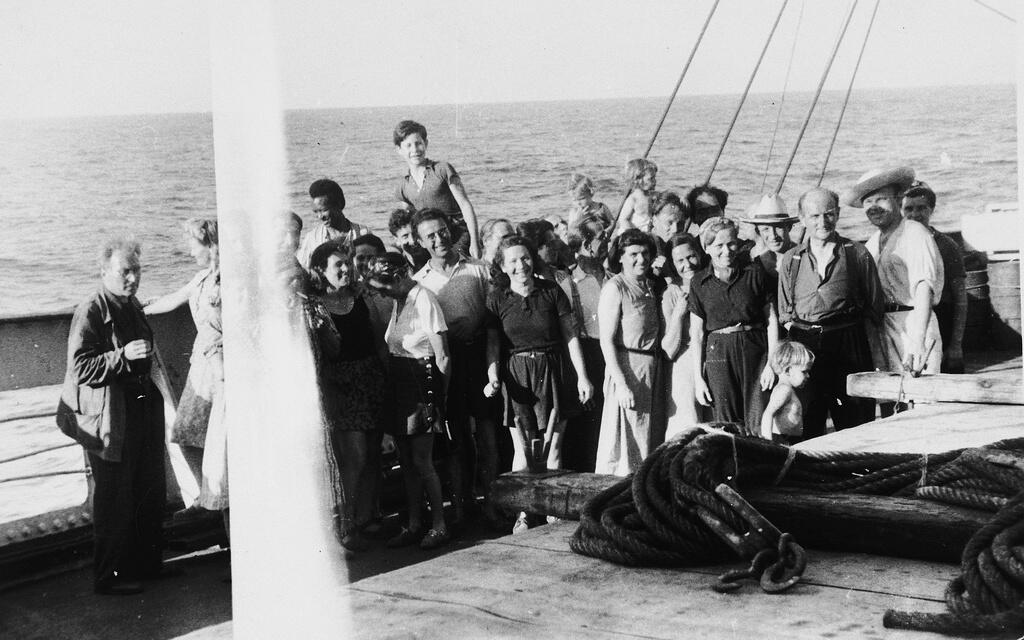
[
  {"x": 641, "y": 179},
  {"x": 581, "y": 191},
  {"x": 783, "y": 419}
]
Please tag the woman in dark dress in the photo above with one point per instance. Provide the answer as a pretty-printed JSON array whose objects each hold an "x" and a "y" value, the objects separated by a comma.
[{"x": 350, "y": 371}]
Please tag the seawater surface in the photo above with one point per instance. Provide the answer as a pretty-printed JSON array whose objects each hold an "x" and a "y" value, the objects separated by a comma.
[{"x": 64, "y": 184}]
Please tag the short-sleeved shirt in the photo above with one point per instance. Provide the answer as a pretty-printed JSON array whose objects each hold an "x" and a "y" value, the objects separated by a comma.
[
  {"x": 321, "y": 233},
  {"x": 588, "y": 286},
  {"x": 909, "y": 258},
  {"x": 532, "y": 323},
  {"x": 462, "y": 294},
  {"x": 408, "y": 334},
  {"x": 952, "y": 262},
  {"x": 741, "y": 300},
  {"x": 846, "y": 291},
  {"x": 436, "y": 192}
]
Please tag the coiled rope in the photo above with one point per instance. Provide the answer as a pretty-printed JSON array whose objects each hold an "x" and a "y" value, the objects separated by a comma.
[{"x": 651, "y": 518}]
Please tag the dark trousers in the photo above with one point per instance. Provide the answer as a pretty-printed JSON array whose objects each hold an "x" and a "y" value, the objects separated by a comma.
[
  {"x": 579, "y": 444},
  {"x": 130, "y": 496},
  {"x": 733, "y": 363},
  {"x": 837, "y": 354}
]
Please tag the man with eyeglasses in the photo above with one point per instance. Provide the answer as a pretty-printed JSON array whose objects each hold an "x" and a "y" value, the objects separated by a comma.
[
  {"x": 829, "y": 298},
  {"x": 910, "y": 270}
]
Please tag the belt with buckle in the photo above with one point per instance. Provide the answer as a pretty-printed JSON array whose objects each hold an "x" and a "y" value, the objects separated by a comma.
[
  {"x": 737, "y": 328},
  {"x": 824, "y": 327}
]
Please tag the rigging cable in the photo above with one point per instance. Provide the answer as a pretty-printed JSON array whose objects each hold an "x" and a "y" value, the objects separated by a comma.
[
  {"x": 817, "y": 94},
  {"x": 746, "y": 91},
  {"x": 997, "y": 11},
  {"x": 849, "y": 90},
  {"x": 671, "y": 99},
  {"x": 782, "y": 99}
]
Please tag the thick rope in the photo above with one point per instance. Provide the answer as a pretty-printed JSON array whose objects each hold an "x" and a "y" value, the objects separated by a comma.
[{"x": 653, "y": 518}]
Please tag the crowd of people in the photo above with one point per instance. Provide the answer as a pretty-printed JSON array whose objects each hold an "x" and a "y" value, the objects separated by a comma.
[{"x": 589, "y": 339}]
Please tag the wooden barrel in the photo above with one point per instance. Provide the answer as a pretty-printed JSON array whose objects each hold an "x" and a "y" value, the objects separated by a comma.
[{"x": 1004, "y": 299}]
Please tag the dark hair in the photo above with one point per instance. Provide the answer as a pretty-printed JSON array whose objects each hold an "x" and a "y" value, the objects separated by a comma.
[
  {"x": 721, "y": 196},
  {"x": 689, "y": 240},
  {"x": 534, "y": 230},
  {"x": 584, "y": 231},
  {"x": 318, "y": 262},
  {"x": 424, "y": 215},
  {"x": 628, "y": 238},
  {"x": 406, "y": 128},
  {"x": 370, "y": 239},
  {"x": 294, "y": 220},
  {"x": 388, "y": 268},
  {"x": 498, "y": 274},
  {"x": 397, "y": 219},
  {"x": 666, "y": 198},
  {"x": 833, "y": 198},
  {"x": 918, "y": 190},
  {"x": 329, "y": 189}
]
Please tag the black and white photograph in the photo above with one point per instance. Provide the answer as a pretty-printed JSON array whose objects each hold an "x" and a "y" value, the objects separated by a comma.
[{"x": 692, "y": 319}]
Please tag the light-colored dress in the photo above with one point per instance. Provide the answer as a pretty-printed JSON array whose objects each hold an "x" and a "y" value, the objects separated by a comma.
[
  {"x": 629, "y": 435},
  {"x": 681, "y": 407},
  {"x": 909, "y": 257},
  {"x": 200, "y": 417}
]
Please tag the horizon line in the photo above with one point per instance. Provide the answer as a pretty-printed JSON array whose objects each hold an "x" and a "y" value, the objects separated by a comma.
[{"x": 58, "y": 116}]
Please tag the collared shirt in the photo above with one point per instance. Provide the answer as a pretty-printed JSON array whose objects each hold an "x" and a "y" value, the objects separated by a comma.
[
  {"x": 435, "y": 192},
  {"x": 408, "y": 334},
  {"x": 908, "y": 258},
  {"x": 845, "y": 291},
  {"x": 588, "y": 287},
  {"x": 320, "y": 234},
  {"x": 131, "y": 324},
  {"x": 742, "y": 300},
  {"x": 534, "y": 322},
  {"x": 462, "y": 294}
]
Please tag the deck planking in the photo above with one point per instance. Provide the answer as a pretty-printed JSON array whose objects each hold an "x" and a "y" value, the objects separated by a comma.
[{"x": 532, "y": 585}]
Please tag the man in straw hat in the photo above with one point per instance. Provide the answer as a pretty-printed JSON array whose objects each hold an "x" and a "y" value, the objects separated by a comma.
[
  {"x": 772, "y": 224},
  {"x": 909, "y": 269},
  {"x": 829, "y": 298}
]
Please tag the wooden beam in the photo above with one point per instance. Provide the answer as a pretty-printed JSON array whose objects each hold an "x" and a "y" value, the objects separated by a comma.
[
  {"x": 902, "y": 527},
  {"x": 939, "y": 387}
]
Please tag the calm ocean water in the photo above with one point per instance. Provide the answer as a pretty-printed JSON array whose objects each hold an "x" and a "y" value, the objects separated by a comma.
[{"x": 66, "y": 183}]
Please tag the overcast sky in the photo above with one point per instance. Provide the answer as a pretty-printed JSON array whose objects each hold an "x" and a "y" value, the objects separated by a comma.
[{"x": 64, "y": 57}]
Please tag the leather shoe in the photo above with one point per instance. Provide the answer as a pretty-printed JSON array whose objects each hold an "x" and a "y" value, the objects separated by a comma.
[{"x": 118, "y": 587}]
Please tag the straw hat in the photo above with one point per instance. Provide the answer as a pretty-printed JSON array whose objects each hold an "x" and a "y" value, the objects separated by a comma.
[
  {"x": 873, "y": 181},
  {"x": 770, "y": 210}
]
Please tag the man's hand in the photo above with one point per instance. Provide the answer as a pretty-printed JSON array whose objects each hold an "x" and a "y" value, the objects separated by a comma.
[{"x": 138, "y": 350}]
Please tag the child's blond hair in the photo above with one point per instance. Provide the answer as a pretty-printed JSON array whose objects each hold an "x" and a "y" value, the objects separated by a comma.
[
  {"x": 637, "y": 168},
  {"x": 790, "y": 354},
  {"x": 580, "y": 185}
]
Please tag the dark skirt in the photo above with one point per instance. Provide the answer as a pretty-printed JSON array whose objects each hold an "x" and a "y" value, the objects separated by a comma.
[
  {"x": 535, "y": 382},
  {"x": 417, "y": 402},
  {"x": 353, "y": 393}
]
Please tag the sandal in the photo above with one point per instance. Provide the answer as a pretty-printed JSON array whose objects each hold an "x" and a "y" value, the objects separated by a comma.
[
  {"x": 404, "y": 538},
  {"x": 434, "y": 539}
]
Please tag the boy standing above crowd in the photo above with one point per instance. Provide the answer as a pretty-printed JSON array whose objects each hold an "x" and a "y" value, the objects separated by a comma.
[{"x": 431, "y": 184}]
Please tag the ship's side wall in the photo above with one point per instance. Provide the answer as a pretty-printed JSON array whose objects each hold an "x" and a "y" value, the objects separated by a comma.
[{"x": 33, "y": 349}]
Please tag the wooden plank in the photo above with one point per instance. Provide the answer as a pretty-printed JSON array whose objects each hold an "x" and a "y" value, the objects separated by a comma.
[
  {"x": 938, "y": 387},
  {"x": 928, "y": 428},
  {"x": 526, "y": 590},
  {"x": 902, "y": 527}
]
